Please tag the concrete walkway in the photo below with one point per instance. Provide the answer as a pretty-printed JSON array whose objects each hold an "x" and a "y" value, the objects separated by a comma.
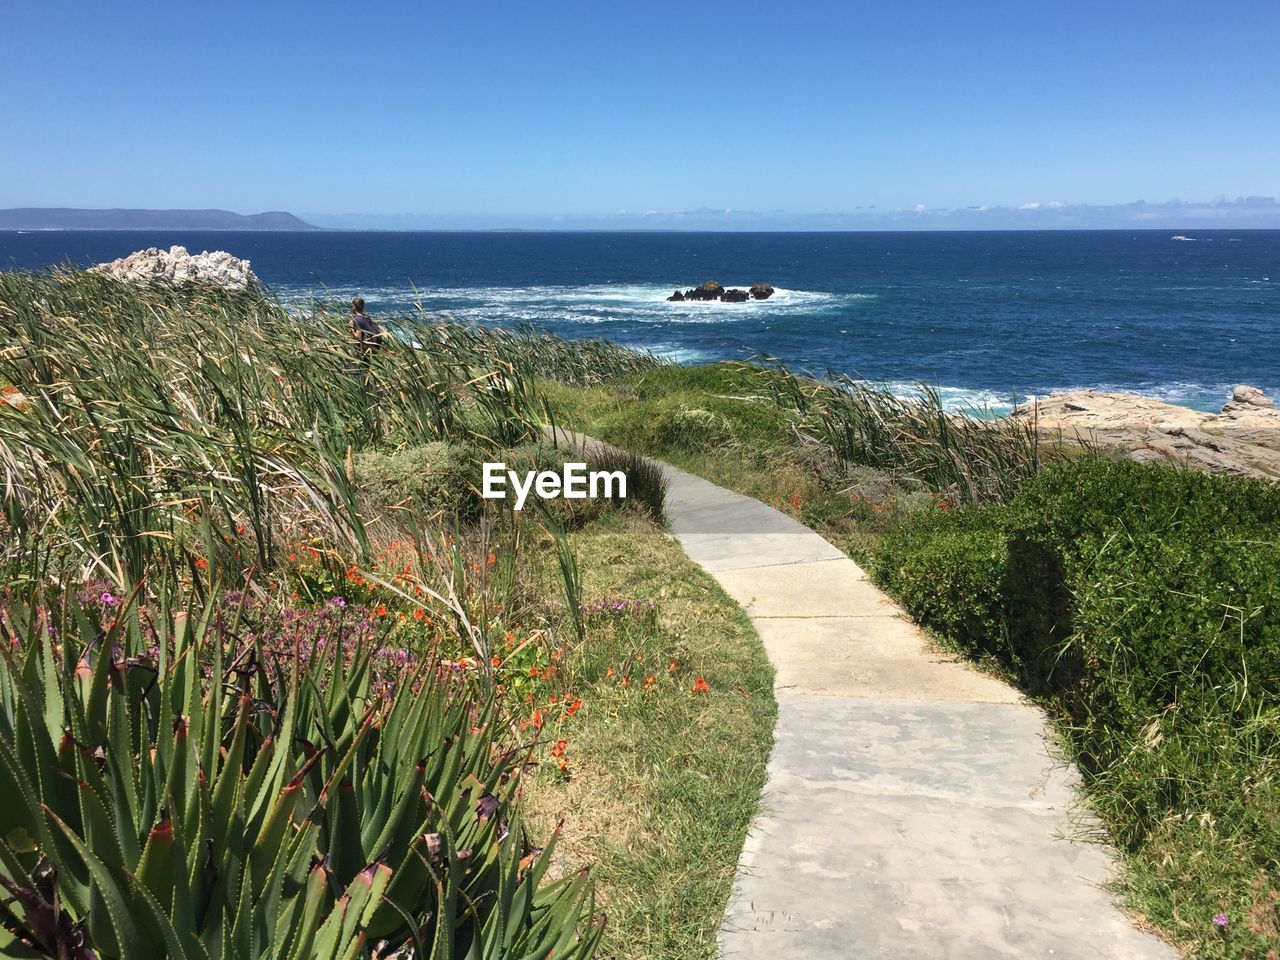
[{"x": 913, "y": 809}]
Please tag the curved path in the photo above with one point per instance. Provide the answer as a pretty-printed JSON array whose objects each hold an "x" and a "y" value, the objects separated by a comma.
[{"x": 914, "y": 809}]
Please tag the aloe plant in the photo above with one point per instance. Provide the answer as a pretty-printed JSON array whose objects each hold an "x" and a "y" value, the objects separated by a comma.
[{"x": 171, "y": 790}]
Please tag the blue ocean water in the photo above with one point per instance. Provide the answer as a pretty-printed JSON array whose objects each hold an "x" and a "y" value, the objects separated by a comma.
[{"x": 980, "y": 315}]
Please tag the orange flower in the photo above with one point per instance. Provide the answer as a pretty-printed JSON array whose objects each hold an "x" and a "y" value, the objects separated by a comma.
[
  {"x": 537, "y": 719},
  {"x": 419, "y": 613},
  {"x": 610, "y": 672},
  {"x": 293, "y": 557},
  {"x": 558, "y": 749},
  {"x": 382, "y": 610},
  {"x": 202, "y": 563},
  {"x": 496, "y": 661},
  {"x": 700, "y": 686},
  {"x": 575, "y": 706},
  {"x": 649, "y": 681},
  {"x": 673, "y": 665}
]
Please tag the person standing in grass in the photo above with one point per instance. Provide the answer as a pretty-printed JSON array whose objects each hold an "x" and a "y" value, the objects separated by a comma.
[
  {"x": 366, "y": 331},
  {"x": 368, "y": 335}
]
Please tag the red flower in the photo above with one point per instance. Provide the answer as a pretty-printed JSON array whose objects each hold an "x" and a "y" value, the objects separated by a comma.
[
  {"x": 700, "y": 686},
  {"x": 558, "y": 749}
]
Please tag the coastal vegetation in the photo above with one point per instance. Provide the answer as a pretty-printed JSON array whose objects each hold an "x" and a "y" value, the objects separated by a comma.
[
  {"x": 1137, "y": 603},
  {"x": 277, "y": 682}
]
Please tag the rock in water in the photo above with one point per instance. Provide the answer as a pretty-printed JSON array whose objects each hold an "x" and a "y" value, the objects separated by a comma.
[
  {"x": 176, "y": 267},
  {"x": 711, "y": 290}
]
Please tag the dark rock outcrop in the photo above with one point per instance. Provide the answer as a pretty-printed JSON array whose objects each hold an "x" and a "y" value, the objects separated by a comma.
[{"x": 711, "y": 290}]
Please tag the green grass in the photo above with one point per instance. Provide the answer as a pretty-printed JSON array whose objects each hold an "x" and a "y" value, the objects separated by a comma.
[{"x": 661, "y": 782}]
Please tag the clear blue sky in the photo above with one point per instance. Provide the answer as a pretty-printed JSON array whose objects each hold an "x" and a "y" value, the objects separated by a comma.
[{"x": 521, "y": 109}]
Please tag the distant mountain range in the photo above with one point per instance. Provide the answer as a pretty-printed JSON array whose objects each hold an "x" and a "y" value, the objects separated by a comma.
[{"x": 69, "y": 218}]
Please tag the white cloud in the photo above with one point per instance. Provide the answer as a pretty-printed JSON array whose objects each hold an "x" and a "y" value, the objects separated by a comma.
[{"x": 1030, "y": 206}]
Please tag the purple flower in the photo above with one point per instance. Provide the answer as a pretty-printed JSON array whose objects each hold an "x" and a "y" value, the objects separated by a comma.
[
  {"x": 108, "y": 600},
  {"x": 1220, "y": 919},
  {"x": 339, "y": 602}
]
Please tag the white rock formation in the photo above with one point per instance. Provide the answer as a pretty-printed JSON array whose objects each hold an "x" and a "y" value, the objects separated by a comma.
[{"x": 176, "y": 267}]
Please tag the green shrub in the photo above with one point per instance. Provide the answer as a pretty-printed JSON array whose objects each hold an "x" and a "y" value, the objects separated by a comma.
[
  {"x": 701, "y": 409},
  {"x": 646, "y": 482},
  {"x": 646, "y": 485},
  {"x": 949, "y": 568},
  {"x": 1168, "y": 577},
  {"x": 431, "y": 478}
]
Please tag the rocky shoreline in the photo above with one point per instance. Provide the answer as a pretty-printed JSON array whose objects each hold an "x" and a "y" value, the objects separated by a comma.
[{"x": 1243, "y": 439}]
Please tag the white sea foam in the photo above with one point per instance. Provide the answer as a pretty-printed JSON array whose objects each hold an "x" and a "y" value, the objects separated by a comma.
[
  {"x": 593, "y": 304},
  {"x": 968, "y": 399}
]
